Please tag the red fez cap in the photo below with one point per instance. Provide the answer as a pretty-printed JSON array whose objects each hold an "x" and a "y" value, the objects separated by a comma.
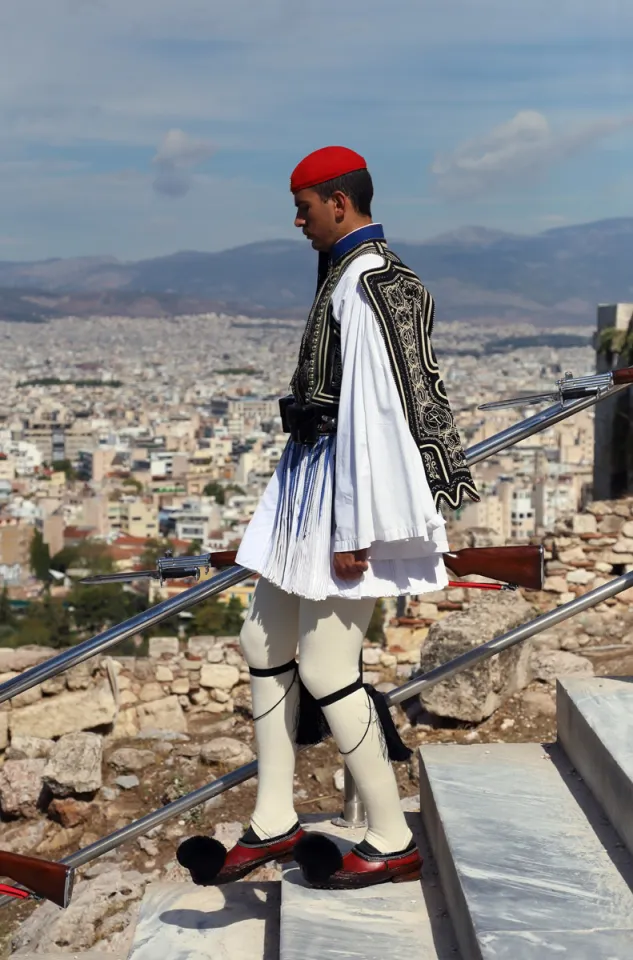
[{"x": 325, "y": 164}]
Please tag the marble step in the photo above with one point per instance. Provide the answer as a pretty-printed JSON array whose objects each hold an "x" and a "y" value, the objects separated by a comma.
[
  {"x": 595, "y": 727},
  {"x": 530, "y": 866},
  {"x": 179, "y": 921},
  {"x": 396, "y": 921}
]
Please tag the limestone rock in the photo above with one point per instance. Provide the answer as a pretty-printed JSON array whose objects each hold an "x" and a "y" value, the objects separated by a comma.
[
  {"x": 126, "y": 725},
  {"x": 574, "y": 554},
  {"x": 228, "y": 833},
  {"x": 580, "y": 577},
  {"x": 199, "y": 646},
  {"x": 625, "y": 545},
  {"x": 74, "y": 766},
  {"x": 54, "y": 685},
  {"x": 220, "y": 675},
  {"x": 49, "y": 930},
  {"x": 215, "y": 655},
  {"x": 226, "y": 750},
  {"x": 4, "y": 730},
  {"x": 610, "y": 525},
  {"x": 80, "y": 677},
  {"x": 21, "y": 787},
  {"x": 180, "y": 686},
  {"x": 165, "y": 714},
  {"x": 130, "y": 760},
  {"x": 70, "y": 812},
  {"x": 68, "y": 713},
  {"x": 539, "y": 703},
  {"x": 584, "y": 523},
  {"x": 371, "y": 656},
  {"x": 555, "y": 585},
  {"x": 627, "y": 529},
  {"x": 30, "y": 748},
  {"x": 150, "y": 691},
  {"x": 27, "y": 698},
  {"x": 164, "y": 674},
  {"x": 24, "y": 657},
  {"x": 128, "y": 782},
  {"x": 547, "y": 665},
  {"x": 476, "y": 693},
  {"x": 163, "y": 647},
  {"x": 600, "y": 508}
]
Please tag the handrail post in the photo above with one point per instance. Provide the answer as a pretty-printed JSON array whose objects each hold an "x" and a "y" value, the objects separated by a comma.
[{"x": 354, "y": 814}]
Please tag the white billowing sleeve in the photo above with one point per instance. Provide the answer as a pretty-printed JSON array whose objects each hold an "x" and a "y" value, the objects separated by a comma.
[{"x": 382, "y": 498}]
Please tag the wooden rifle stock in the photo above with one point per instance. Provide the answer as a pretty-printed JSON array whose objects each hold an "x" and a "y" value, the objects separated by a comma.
[
  {"x": 44, "y": 878},
  {"x": 522, "y": 566},
  {"x": 624, "y": 375}
]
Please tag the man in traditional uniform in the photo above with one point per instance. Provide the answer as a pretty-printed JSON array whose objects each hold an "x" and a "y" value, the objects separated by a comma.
[{"x": 351, "y": 514}]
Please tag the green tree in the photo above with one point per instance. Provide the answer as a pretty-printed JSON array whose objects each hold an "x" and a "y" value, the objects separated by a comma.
[
  {"x": 375, "y": 630},
  {"x": 194, "y": 549},
  {"x": 215, "y": 489},
  {"x": 233, "y": 617},
  {"x": 40, "y": 557},
  {"x": 65, "y": 558},
  {"x": 66, "y": 467},
  {"x": 7, "y": 618},
  {"x": 46, "y": 623},
  {"x": 96, "y": 608},
  {"x": 95, "y": 556},
  {"x": 208, "y": 618},
  {"x": 153, "y": 550}
]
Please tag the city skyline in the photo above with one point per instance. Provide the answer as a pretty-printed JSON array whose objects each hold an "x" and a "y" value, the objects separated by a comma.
[{"x": 138, "y": 132}]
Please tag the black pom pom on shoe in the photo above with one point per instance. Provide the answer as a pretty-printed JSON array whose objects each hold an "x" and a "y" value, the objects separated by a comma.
[
  {"x": 203, "y": 857},
  {"x": 318, "y": 856}
]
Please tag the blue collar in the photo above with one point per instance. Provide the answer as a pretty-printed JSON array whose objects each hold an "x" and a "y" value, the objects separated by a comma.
[{"x": 373, "y": 231}]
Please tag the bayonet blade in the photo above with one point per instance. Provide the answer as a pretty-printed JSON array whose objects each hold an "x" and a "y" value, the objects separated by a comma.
[
  {"x": 520, "y": 401},
  {"x": 122, "y": 577}
]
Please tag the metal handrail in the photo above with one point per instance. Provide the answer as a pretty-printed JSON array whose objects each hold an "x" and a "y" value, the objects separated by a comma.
[
  {"x": 417, "y": 685},
  {"x": 236, "y": 574},
  {"x": 113, "y": 635},
  {"x": 228, "y": 578}
]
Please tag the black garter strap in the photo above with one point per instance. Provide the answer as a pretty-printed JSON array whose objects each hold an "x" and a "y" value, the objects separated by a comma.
[
  {"x": 395, "y": 748},
  {"x": 312, "y": 726},
  {"x": 273, "y": 671},
  {"x": 340, "y": 694}
]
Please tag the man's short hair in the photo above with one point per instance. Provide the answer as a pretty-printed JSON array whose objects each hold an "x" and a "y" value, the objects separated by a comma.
[{"x": 357, "y": 186}]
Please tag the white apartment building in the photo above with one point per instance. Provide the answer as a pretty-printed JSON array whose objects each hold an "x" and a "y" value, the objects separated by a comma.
[{"x": 197, "y": 519}]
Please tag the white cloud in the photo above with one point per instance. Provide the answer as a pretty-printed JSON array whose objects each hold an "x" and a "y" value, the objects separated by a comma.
[
  {"x": 515, "y": 152},
  {"x": 174, "y": 161}
]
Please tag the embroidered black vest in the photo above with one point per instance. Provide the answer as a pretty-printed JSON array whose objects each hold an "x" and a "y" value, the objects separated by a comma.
[{"x": 404, "y": 310}]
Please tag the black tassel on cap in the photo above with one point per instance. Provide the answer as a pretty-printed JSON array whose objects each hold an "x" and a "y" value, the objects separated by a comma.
[
  {"x": 203, "y": 857},
  {"x": 397, "y": 750},
  {"x": 312, "y": 727}
]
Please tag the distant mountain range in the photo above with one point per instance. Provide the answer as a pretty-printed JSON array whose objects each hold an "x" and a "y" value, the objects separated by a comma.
[{"x": 551, "y": 278}]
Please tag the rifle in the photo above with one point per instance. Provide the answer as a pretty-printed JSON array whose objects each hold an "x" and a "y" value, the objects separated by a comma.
[
  {"x": 570, "y": 388},
  {"x": 515, "y": 566},
  {"x": 43, "y": 879}
]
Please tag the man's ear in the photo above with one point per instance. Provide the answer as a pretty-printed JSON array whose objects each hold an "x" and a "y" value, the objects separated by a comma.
[{"x": 341, "y": 204}]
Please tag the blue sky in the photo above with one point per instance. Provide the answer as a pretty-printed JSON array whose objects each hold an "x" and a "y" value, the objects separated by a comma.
[{"x": 141, "y": 127}]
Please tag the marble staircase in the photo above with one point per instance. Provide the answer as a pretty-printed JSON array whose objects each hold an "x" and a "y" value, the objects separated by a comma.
[{"x": 528, "y": 856}]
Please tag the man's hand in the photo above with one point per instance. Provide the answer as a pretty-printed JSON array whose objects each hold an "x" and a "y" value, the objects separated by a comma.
[{"x": 350, "y": 566}]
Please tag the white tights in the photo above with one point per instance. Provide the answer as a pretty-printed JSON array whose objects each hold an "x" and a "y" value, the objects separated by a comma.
[{"x": 328, "y": 635}]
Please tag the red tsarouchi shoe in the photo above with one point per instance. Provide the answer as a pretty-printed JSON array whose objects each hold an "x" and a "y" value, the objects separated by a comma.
[
  {"x": 210, "y": 863},
  {"x": 324, "y": 866}
]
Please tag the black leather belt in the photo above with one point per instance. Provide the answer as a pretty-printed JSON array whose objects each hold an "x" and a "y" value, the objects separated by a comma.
[{"x": 306, "y": 422}]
